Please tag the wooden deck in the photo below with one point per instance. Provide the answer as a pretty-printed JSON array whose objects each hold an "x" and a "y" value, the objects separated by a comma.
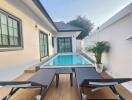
[{"x": 64, "y": 92}]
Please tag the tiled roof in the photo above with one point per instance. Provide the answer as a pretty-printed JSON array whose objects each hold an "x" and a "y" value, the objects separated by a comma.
[{"x": 62, "y": 27}]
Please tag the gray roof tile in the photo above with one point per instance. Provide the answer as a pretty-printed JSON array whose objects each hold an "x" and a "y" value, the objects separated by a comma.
[{"x": 62, "y": 27}]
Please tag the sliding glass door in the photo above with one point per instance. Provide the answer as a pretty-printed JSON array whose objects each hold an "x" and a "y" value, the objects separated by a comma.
[
  {"x": 43, "y": 39},
  {"x": 64, "y": 44}
]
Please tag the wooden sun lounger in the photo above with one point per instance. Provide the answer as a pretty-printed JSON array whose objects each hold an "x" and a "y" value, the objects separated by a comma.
[
  {"x": 42, "y": 79},
  {"x": 88, "y": 77}
]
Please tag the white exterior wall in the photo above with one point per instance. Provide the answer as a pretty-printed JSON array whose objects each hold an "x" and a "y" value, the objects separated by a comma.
[
  {"x": 67, "y": 34},
  {"x": 119, "y": 60},
  {"x": 13, "y": 63},
  {"x": 79, "y": 45}
]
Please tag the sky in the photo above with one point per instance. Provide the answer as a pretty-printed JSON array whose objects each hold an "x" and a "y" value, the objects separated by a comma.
[{"x": 98, "y": 11}]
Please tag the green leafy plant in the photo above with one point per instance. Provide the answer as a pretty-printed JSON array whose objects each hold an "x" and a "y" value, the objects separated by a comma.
[{"x": 98, "y": 49}]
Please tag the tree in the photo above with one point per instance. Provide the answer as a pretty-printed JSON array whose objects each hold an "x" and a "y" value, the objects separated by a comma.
[
  {"x": 98, "y": 49},
  {"x": 84, "y": 23}
]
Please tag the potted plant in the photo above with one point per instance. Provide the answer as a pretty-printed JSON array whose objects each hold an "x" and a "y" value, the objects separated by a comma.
[{"x": 98, "y": 49}]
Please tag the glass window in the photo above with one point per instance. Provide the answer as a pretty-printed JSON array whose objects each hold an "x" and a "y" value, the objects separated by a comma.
[
  {"x": 43, "y": 38},
  {"x": 9, "y": 30},
  {"x": 3, "y": 19},
  {"x": 53, "y": 42},
  {"x": 64, "y": 44},
  {"x": 15, "y": 24},
  {"x": 10, "y": 22}
]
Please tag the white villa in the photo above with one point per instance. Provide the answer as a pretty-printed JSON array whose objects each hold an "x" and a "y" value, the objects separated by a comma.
[
  {"x": 29, "y": 38},
  {"x": 36, "y": 36}
]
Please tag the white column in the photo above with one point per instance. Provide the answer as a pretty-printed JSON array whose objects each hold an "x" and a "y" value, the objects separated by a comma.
[{"x": 74, "y": 44}]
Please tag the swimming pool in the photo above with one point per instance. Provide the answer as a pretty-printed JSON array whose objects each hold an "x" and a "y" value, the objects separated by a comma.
[{"x": 67, "y": 60}]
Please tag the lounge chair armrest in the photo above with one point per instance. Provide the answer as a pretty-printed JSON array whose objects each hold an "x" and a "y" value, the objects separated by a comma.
[
  {"x": 103, "y": 83},
  {"x": 96, "y": 89},
  {"x": 15, "y": 84},
  {"x": 20, "y": 85}
]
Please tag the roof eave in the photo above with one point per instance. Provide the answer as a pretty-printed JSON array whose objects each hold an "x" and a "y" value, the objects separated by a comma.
[
  {"x": 69, "y": 30},
  {"x": 44, "y": 12}
]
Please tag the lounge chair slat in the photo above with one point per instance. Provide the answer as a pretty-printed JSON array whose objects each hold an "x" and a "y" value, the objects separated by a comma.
[
  {"x": 86, "y": 73},
  {"x": 43, "y": 77}
]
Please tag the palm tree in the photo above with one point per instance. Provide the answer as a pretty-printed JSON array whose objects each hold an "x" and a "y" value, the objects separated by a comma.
[{"x": 98, "y": 49}]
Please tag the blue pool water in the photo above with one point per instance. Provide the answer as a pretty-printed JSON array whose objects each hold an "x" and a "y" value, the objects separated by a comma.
[{"x": 70, "y": 59}]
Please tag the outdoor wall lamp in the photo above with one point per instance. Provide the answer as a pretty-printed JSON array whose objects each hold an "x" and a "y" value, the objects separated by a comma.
[{"x": 36, "y": 26}]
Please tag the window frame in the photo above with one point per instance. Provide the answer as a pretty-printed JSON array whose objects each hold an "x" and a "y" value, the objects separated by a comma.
[
  {"x": 42, "y": 32},
  {"x": 64, "y": 44},
  {"x": 53, "y": 42},
  {"x": 19, "y": 29}
]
